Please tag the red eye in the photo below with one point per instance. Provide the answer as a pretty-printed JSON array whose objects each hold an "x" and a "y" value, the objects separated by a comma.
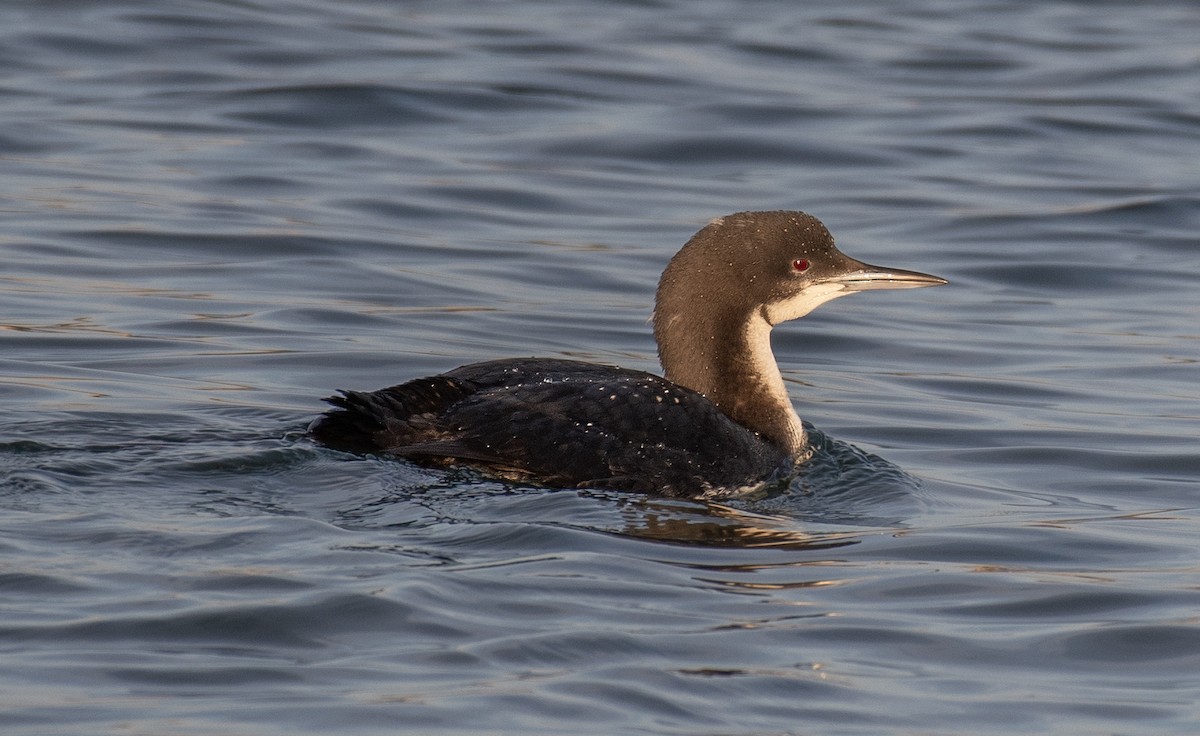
[{"x": 800, "y": 265}]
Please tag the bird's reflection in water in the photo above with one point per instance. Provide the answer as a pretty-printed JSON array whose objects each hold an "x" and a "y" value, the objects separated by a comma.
[{"x": 720, "y": 525}]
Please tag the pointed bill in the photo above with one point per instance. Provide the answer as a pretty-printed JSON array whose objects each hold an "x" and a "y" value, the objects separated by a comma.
[{"x": 867, "y": 277}]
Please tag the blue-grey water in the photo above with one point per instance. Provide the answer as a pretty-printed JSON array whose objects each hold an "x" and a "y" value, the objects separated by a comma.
[{"x": 216, "y": 213}]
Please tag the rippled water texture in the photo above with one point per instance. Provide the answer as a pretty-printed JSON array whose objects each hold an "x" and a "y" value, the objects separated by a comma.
[{"x": 218, "y": 212}]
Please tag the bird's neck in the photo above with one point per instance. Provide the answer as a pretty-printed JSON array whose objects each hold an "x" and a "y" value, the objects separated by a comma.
[{"x": 728, "y": 358}]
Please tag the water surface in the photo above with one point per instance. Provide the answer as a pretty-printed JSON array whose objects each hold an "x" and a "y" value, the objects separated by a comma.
[{"x": 217, "y": 213}]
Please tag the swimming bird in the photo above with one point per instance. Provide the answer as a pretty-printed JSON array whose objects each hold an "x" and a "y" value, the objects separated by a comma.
[{"x": 718, "y": 422}]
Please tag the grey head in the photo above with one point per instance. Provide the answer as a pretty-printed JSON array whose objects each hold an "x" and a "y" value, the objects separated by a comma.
[{"x": 729, "y": 285}]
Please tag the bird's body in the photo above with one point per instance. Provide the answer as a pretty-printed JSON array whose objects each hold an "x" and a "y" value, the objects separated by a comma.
[
  {"x": 559, "y": 423},
  {"x": 719, "y": 422}
]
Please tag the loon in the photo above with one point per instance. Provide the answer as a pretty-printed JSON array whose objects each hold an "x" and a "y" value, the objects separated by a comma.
[{"x": 718, "y": 422}]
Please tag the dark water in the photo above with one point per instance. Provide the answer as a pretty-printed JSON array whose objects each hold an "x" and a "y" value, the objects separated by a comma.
[{"x": 217, "y": 212}]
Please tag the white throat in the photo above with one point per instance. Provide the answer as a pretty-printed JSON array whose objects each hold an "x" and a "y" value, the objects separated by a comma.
[
  {"x": 764, "y": 371},
  {"x": 801, "y": 304}
]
